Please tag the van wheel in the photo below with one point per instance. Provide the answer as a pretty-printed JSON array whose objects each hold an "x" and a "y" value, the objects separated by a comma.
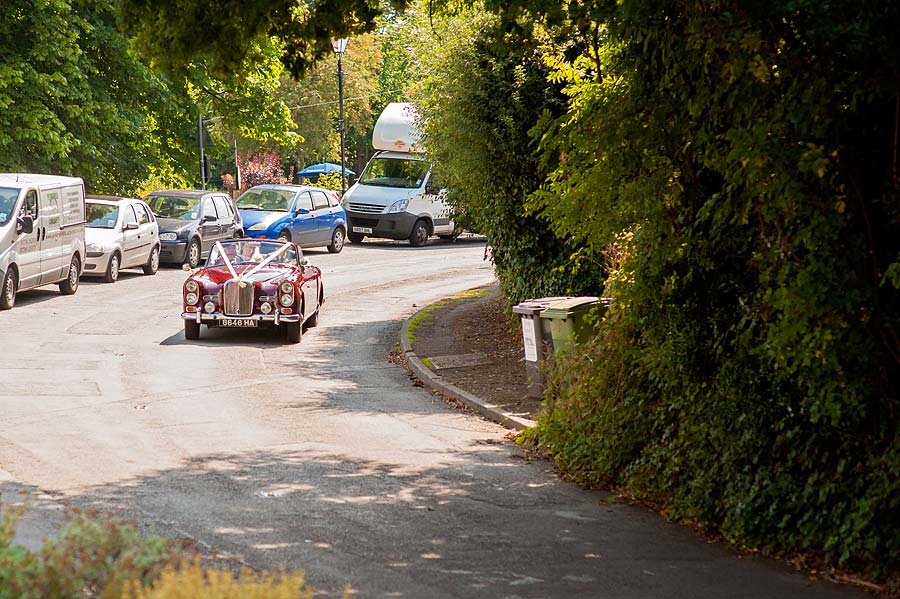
[
  {"x": 337, "y": 241},
  {"x": 193, "y": 253},
  {"x": 152, "y": 265},
  {"x": 112, "y": 271},
  {"x": 419, "y": 235},
  {"x": 355, "y": 237},
  {"x": 8, "y": 293},
  {"x": 70, "y": 285},
  {"x": 191, "y": 330}
]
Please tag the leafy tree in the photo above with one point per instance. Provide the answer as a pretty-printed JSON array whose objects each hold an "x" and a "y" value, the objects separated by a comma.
[
  {"x": 314, "y": 102},
  {"x": 478, "y": 102},
  {"x": 73, "y": 98},
  {"x": 178, "y": 32}
]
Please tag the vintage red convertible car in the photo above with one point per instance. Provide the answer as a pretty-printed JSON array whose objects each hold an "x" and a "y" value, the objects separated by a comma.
[{"x": 252, "y": 283}]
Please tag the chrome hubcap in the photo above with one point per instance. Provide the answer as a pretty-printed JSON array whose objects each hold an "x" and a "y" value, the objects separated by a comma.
[
  {"x": 10, "y": 290},
  {"x": 73, "y": 274},
  {"x": 114, "y": 268},
  {"x": 338, "y": 239},
  {"x": 154, "y": 260},
  {"x": 195, "y": 254}
]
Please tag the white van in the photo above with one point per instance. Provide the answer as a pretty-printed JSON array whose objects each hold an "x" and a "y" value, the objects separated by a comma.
[
  {"x": 41, "y": 233},
  {"x": 396, "y": 197}
]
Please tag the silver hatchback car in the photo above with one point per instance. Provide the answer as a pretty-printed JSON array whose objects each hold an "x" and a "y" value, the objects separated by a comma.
[{"x": 119, "y": 233}]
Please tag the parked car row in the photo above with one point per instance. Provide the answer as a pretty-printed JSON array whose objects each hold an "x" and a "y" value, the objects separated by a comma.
[{"x": 52, "y": 233}]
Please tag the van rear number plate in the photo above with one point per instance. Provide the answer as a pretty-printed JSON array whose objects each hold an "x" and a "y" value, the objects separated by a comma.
[
  {"x": 362, "y": 230},
  {"x": 237, "y": 323}
]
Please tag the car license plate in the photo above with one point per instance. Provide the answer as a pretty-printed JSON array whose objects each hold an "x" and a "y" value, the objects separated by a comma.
[
  {"x": 362, "y": 230},
  {"x": 238, "y": 323}
]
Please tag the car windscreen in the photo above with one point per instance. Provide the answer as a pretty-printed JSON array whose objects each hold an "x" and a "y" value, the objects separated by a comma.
[
  {"x": 278, "y": 200},
  {"x": 101, "y": 216},
  {"x": 395, "y": 172},
  {"x": 174, "y": 207},
  {"x": 247, "y": 251},
  {"x": 8, "y": 197}
]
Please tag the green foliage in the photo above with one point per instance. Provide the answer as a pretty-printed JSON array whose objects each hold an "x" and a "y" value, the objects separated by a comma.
[
  {"x": 177, "y": 32},
  {"x": 478, "y": 102},
  {"x": 91, "y": 556},
  {"x": 740, "y": 163}
]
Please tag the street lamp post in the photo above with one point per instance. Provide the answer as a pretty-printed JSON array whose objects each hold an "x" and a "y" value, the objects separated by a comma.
[{"x": 340, "y": 46}]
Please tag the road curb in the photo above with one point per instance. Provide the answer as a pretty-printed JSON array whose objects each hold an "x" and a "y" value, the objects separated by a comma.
[{"x": 437, "y": 383}]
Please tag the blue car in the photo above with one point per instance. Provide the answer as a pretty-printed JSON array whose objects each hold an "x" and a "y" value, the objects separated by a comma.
[{"x": 307, "y": 216}]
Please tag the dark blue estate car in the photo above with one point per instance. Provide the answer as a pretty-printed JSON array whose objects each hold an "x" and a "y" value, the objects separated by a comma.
[{"x": 308, "y": 216}]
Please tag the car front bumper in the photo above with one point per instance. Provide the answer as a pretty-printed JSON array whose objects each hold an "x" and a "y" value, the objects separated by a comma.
[
  {"x": 172, "y": 251},
  {"x": 96, "y": 263},
  {"x": 207, "y": 317},
  {"x": 393, "y": 225}
]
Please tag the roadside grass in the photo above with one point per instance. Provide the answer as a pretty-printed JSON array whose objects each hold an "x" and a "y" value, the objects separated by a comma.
[{"x": 423, "y": 318}]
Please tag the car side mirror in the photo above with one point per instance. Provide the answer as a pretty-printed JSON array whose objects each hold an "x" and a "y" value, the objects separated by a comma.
[
  {"x": 209, "y": 218},
  {"x": 25, "y": 224},
  {"x": 130, "y": 227},
  {"x": 304, "y": 261},
  {"x": 301, "y": 211},
  {"x": 433, "y": 189}
]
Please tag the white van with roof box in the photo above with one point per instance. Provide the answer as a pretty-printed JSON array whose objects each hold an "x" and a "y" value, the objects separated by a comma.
[
  {"x": 396, "y": 196},
  {"x": 41, "y": 233}
]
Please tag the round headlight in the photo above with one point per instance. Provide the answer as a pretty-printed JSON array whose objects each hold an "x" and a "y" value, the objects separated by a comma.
[
  {"x": 210, "y": 307},
  {"x": 191, "y": 298},
  {"x": 287, "y": 287},
  {"x": 287, "y": 300},
  {"x": 192, "y": 286},
  {"x": 265, "y": 307}
]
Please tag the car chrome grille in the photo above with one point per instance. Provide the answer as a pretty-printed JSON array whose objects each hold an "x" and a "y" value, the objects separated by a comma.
[
  {"x": 366, "y": 208},
  {"x": 237, "y": 300}
]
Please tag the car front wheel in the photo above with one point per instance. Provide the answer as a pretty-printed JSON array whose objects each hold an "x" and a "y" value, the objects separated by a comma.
[
  {"x": 191, "y": 330},
  {"x": 293, "y": 332},
  {"x": 337, "y": 241},
  {"x": 193, "y": 253},
  {"x": 112, "y": 271}
]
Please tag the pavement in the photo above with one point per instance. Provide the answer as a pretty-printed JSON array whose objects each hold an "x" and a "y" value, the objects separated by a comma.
[{"x": 484, "y": 406}]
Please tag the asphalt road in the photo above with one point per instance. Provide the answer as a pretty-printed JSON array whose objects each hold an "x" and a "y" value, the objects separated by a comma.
[{"x": 322, "y": 456}]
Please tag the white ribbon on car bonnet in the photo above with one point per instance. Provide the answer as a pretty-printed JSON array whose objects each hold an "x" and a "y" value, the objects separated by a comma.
[{"x": 252, "y": 271}]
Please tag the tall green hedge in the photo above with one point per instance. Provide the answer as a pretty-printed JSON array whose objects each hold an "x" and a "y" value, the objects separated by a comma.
[
  {"x": 479, "y": 99},
  {"x": 742, "y": 157}
]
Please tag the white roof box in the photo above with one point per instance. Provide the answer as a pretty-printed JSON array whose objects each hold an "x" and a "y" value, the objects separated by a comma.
[{"x": 396, "y": 129}]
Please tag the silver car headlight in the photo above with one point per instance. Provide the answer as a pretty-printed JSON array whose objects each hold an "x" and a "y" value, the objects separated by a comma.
[
  {"x": 287, "y": 287},
  {"x": 191, "y": 286},
  {"x": 209, "y": 307},
  {"x": 399, "y": 206},
  {"x": 191, "y": 299},
  {"x": 265, "y": 307},
  {"x": 168, "y": 236},
  {"x": 287, "y": 300}
]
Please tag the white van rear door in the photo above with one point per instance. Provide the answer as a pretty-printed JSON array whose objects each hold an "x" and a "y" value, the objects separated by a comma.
[{"x": 54, "y": 248}]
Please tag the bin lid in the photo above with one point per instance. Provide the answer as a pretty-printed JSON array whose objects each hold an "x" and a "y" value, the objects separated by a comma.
[
  {"x": 534, "y": 306},
  {"x": 569, "y": 307}
]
